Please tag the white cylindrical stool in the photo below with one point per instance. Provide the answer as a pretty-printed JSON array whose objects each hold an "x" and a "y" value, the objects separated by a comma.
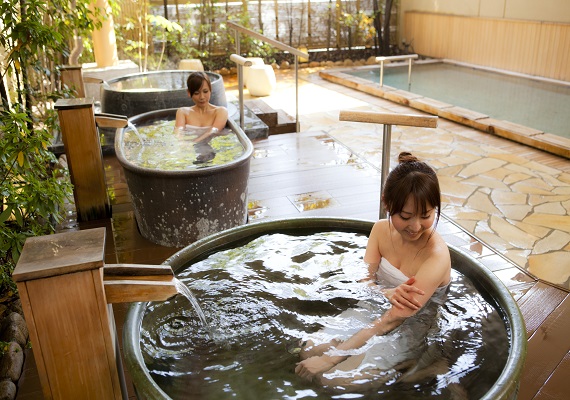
[
  {"x": 254, "y": 61},
  {"x": 261, "y": 80},
  {"x": 192, "y": 64}
]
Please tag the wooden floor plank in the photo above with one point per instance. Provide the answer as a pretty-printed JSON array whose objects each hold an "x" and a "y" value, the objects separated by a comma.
[
  {"x": 558, "y": 382},
  {"x": 537, "y": 304},
  {"x": 546, "y": 350}
]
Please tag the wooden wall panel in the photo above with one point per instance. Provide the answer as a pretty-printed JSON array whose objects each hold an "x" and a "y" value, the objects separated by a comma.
[{"x": 529, "y": 47}]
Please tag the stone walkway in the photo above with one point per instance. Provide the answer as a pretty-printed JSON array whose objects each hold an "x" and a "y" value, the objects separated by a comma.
[{"x": 512, "y": 197}]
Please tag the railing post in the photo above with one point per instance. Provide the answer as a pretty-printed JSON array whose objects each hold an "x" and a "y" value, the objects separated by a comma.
[
  {"x": 297, "y": 124},
  {"x": 386, "y": 142},
  {"x": 241, "y": 62},
  {"x": 408, "y": 57},
  {"x": 280, "y": 46},
  {"x": 387, "y": 120},
  {"x": 238, "y": 50},
  {"x": 409, "y": 73}
]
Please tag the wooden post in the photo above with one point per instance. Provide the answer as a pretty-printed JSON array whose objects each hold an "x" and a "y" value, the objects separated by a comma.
[
  {"x": 72, "y": 77},
  {"x": 65, "y": 289},
  {"x": 60, "y": 281},
  {"x": 84, "y": 157}
]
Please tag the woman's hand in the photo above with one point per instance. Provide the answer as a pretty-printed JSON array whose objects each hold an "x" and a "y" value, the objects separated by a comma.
[
  {"x": 309, "y": 368},
  {"x": 403, "y": 295}
]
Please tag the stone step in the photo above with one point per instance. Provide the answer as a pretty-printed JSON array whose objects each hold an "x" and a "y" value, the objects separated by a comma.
[
  {"x": 263, "y": 111},
  {"x": 254, "y": 127},
  {"x": 278, "y": 121},
  {"x": 285, "y": 124}
]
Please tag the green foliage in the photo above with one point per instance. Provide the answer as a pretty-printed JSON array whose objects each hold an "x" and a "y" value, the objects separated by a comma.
[
  {"x": 30, "y": 190},
  {"x": 35, "y": 35}
]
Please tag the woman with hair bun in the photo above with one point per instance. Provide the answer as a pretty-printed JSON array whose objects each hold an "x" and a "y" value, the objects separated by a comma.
[{"x": 409, "y": 263}]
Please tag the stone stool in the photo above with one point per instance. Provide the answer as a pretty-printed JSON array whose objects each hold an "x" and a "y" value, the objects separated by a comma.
[
  {"x": 261, "y": 80},
  {"x": 191, "y": 64},
  {"x": 254, "y": 61}
]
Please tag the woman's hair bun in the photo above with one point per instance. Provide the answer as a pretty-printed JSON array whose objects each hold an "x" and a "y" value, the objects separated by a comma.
[{"x": 406, "y": 157}]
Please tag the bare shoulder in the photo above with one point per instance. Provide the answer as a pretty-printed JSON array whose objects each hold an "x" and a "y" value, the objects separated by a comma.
[
  {"x": 183, "y": 110},
  {"x": 381, "y": 226},
  {"x": 220, "y": 110},
  {"x": 438, "y": 256}
]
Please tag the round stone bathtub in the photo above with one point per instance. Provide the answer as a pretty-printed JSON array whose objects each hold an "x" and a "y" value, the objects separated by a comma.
[
  {"x": 503, "y": 386},
  {"x": 135, "y": 94},
  {"x": 174, "y": 208}
]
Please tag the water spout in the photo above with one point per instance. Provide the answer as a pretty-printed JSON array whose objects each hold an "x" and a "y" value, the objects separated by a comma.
[{"x": 133, "y": 282}]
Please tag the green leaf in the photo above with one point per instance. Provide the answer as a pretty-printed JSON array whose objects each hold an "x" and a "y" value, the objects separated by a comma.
[{"x": 5, "y": 214}]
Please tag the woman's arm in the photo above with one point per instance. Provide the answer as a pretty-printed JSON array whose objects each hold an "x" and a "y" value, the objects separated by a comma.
[
  {"x": 429, "y": 277},
  {"x": 401, "y": 296},
  {"x": 404, "y": 295},
  {"x": 180, "y": 119},
  {"x": 221, "y": 118}
]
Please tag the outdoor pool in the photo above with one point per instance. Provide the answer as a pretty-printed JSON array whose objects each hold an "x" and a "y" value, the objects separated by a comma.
[{"x": 538, "y": 104}]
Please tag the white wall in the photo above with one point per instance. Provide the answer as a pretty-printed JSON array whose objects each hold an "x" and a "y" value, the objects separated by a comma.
[{"x": 535, "y": 10}]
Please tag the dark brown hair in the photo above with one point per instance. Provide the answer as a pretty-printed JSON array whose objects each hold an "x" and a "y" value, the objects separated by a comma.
[
  {"x": 411, "y": 178},
  {"x": 195, "y": 81}
]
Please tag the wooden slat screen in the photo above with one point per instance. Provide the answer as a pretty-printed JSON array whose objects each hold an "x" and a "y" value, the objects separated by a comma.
[{"x": 529, "y": 47}]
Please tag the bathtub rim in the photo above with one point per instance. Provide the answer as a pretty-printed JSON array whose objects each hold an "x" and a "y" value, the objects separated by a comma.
[
  {"x": 167, "y": 112},
  {"x": 106, "y": 85},
  {"x": 503, "y": 388}
]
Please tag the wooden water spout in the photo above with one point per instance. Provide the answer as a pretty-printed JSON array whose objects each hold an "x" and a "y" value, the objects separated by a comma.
[
  {"x": 125, "y": 283},
  {"x": 65, "y": 289}
]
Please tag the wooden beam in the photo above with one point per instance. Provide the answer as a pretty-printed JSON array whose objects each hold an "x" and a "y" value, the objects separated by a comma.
[{"x": 389, "y": 119}]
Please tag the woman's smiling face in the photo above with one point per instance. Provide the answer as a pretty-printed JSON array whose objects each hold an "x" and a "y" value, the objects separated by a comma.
[{"x": 411, "y": 223}]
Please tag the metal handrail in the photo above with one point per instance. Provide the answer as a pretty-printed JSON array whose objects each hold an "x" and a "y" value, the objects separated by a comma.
[
  {"x": 241, "y": 62},
  {"x": 387, "y": 119},
  {"x": 279, "y": 45},
  {"x": 408, "y": 57}
]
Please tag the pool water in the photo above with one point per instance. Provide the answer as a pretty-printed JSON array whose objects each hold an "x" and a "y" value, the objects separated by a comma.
[
  {"x": 156, "y": 146},
  {"x": 536, "y": 104},
  {"x": 260, "y": 298}
]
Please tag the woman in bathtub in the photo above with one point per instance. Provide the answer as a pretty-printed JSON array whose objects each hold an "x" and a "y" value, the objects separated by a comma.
[
  {"x": 203, "y": 118},
  {"x": 408, "y": 263}
]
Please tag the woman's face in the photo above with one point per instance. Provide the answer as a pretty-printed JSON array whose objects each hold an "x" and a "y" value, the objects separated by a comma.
[
  {"x": 202, "y": 96},
  {"x": 410, "y": 223}
]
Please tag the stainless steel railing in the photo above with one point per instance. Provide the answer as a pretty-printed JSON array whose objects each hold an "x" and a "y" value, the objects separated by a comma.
[
  {"x": 281, "y": 46},
  {"x": 408, "y": 57}
]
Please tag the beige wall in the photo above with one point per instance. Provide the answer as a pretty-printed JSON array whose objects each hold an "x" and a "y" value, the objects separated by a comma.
[
  {"x": 534, "y": 10},
  {"x": 528, "y": 47},
  {"x": 527, "y": 36}
]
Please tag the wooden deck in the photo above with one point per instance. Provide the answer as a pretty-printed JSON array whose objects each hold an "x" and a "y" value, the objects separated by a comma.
[{"x": 312, "y": 174}]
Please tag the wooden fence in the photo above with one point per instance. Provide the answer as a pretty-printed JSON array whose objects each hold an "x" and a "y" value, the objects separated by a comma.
[{"x": 529, "y": 47}]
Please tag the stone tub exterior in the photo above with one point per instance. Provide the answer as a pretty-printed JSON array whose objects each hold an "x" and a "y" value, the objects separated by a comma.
[
  {"x": 136, "y": 94},
  {"x": 505, "y": 387},
  {"x": 176, "y": 208}
]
